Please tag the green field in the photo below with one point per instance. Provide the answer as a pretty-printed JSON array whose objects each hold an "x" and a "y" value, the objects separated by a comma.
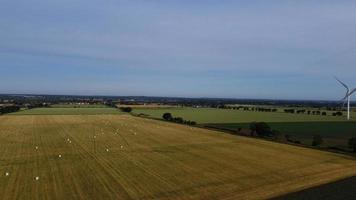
[
  {"x": 79, "y": 106},
  {"x": 335, "y": 130},
  {"x": 68, "y": 111},
  {"x": 212, "y": 115},
  {"x": 334, "y": 133},
  {"x": 125, "y": 157}
]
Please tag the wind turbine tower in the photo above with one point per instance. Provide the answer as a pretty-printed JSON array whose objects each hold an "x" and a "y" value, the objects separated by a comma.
[{"x": 347, "y": 96}]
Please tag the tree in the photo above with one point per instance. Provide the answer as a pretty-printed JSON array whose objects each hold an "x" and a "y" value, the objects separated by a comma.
[
  {"x": 126, "y": 109},
  {"x": 178, "y": 120},
  {"x": 189, "y": 122},
  {"x": 289, "y": 110},
  {"x": 337, "y": 113},
  {"x": 317, "y": 140},
  {"x": 278, "y": 136},
  {"x": 261, "y": 128},
  {"x": 352, "y": 144},
  {"x": 253, "y": 128},
  {"x": 9, "y": 109},
  {"x": 167, "y": 116}
]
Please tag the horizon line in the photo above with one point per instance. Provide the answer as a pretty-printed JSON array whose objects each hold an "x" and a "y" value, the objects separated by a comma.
[{"x": 177, "y": 97}]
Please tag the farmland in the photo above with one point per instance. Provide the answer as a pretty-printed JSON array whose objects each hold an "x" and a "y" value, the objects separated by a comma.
[
  {"x": 63, "y": 110},
  {"x": 76, "y": 105},
  {"x": 334, "y": 129},
  {"x": 124, "y": 157},
  {"x": 335, "y": 134},
  {"x": 213, "y": 115}
]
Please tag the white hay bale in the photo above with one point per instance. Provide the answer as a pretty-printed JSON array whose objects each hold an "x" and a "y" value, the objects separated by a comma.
[
  {"x": 7, "y": 174},
  {"x": 60, "y": 156},
  {"x": 37, "y": 178},
  {"x": 36, "y": 147},
  {"x": 107, "y": 150},
  {"x": 122, "y": 147}
]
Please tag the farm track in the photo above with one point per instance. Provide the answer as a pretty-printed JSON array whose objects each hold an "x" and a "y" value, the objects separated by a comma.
[{"x": 135, "y": 158}]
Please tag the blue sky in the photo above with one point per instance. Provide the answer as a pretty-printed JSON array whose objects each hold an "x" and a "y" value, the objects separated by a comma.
[{"x": 212, "y": 48}]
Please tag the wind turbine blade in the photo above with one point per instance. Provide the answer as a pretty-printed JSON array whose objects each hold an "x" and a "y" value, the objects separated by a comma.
[
  {"x": 345, "y": 97},
  {"x": 343, "y": 101},
  {"x": 343, "y": 84},
  {"x": 354, "y": 90},
  {"x": 343, "y": 104}
]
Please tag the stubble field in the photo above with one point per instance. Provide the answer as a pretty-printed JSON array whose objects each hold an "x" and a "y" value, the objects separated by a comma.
[{"x": 123, "y": 157}]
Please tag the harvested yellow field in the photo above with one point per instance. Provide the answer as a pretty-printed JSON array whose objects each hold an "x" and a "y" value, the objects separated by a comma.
[{"x": 123, "y": 157}]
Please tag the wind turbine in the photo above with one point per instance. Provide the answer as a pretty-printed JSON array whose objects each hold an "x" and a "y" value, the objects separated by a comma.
[{"x": 347, "y": 97}]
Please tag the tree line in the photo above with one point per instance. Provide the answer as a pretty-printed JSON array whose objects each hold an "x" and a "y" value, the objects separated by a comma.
[
  {"x": 310, "y": 112},
  {"x": 180, "y": 120},
  {"x": 287, "y": 110},
  {"x": 126, "y": 109},
  {"x": 248, "y": 108},
  {"x": 262, "y": 129},
  {"x": 9, "y": 109}
]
